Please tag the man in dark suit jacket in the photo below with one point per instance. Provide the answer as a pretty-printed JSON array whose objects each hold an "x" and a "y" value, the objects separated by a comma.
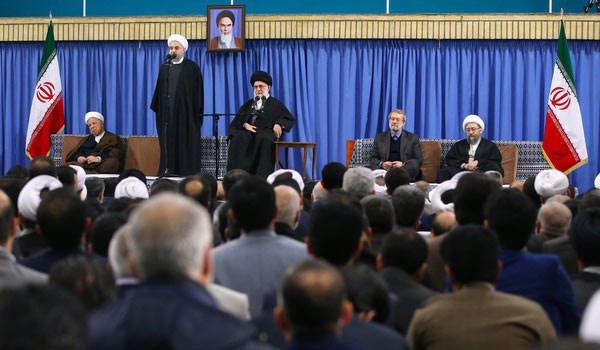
[
  {"x": 402, "y": 265},
  {"x": 397, "y": 148},
  {"x": 100, "y": 152},
  {"x": 170, "y": 238},
  {"x": 585, "y": 237},
  {"x": 474, "y": 153}
]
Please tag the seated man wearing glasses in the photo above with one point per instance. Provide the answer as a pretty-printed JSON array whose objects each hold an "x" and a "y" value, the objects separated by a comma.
[
  {"x": 397, "y": 148},
  {"x": 474, "y": 153}
]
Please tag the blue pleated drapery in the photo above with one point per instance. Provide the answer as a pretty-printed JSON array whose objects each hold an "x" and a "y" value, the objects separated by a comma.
[{"x": 337, "y": 89}]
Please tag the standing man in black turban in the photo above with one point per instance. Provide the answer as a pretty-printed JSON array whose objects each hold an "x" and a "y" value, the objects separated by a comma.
[
  {"x": 179, "y": 104},
  {"x": 260, "y": 121}
]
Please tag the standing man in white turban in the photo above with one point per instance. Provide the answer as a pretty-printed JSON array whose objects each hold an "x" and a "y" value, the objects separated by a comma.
[
  {"x": 178, "y": 102},
  {"x": 101, "y": 151},
  {"x": 474, "y": 153}
]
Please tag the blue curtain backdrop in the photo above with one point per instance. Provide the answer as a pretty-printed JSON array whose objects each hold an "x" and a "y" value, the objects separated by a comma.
[{"x": 338, "y": 90}]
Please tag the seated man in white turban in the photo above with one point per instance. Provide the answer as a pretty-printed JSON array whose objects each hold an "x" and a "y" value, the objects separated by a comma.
[
  {"x": 474, "y": 153},
  {"x": 100, "y": 152}
]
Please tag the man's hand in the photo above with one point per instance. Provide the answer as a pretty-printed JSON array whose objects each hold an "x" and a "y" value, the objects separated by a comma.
[
  {"x": 251, "y": 128},
  {"x": 470, "y": 166},
  {"x": 386, "y": 165},
  {"x": 92, "y": 159},
  {"x": 81, "y": 160},
  {"x": 277, "y": 130},
  {"x": 397, "y": 164}
]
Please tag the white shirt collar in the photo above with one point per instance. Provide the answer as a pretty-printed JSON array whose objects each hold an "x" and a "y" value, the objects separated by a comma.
[
  {"x": 99, "y": 137},
  {"x": 179, "y": 62}
]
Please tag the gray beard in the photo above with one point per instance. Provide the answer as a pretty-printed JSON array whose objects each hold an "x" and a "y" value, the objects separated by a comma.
[
  {"x": 473, "y": 140},
  {"x": 395, "y": 128}
]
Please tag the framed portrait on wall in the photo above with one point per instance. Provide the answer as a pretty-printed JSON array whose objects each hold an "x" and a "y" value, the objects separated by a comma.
[{"x": 225, "y": 28}]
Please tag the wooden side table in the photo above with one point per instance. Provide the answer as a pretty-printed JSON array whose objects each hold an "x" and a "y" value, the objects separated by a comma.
[{"x": 304, "y": 145}]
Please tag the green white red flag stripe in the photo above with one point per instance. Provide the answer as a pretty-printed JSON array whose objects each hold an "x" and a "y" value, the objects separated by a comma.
[
  {"x": 47, "y": 113},
  {"x": 564, "y": 140}
]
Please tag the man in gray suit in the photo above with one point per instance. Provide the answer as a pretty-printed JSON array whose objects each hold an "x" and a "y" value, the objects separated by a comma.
[
  {"x": 397, "y": 148},
  {"x": 12, "y": 274},
  {"x": 255, "y": 263}
]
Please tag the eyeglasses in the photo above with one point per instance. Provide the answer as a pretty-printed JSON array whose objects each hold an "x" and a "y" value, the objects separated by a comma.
[{"x": 472, "y": 129}]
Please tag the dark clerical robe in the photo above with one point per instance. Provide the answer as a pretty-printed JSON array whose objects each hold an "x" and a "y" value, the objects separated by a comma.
[
  {"x": 179, "y": 104},
  {"x": 254, "y": 152},
  {"x": 487, "y": 154},
  {"x": 110, "y": 149}
]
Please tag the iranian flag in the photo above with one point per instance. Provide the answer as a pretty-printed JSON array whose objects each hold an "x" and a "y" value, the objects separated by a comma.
[
  {"x": 46, "y": 116},
  {"x": 564, "y": 140}
]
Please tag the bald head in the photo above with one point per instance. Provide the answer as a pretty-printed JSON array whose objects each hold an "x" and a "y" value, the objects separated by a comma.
[
  {"x": 287, "y": 201},
  {"x": 553, "y": 219},
  {"x": 444, "y": 222}
]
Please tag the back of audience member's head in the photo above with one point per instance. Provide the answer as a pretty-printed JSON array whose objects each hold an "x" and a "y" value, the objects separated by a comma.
[
  {"x": 335, "y": 228},
  {"x": 529, "y": 191},
  {"x": 119, "y": 205},
  {"x": 102, "y": 231},
  {"x": 227, "y": 226},
  {"x": 408, "y": 202},
  {"x": 396, "y": 177},
  {"x": 287, "y": 181},
  {"x": 32, "y": 194},
  {"x": 41, "y": 317},
  {"x": 17, "y": 172},
  {"x": 95, "y": 187},
  {"x": 133, "y": 173},
  {"x": 110, "y": 184},
  {"x": 88, "y": 280},
  {"x": 511, "y": 216},
  {"x": 312, "y": 299},
  {"x": 212, "y": 182},
  {"x": 553, "y": 219},
  {"x": 573, "y": 205},
  {"x": 118, "y": 253},
  {"x": 496, "y": 176},
  {"x": 131, "y": 187},
  {"x": 288, "y": 205},
  {"x": 590, "y": 199},
  {"x": 368, "y": 292},
  {"x": 66, "y": 175},
  {"x": 551, "y": 182},
  {"x": 471, "y": 192},
  {"x": 170, "y": 237},
  {"x": 318, "y": 192},
  {"x": 443, "y": 222},
  {"x": 380, "y": 213},
  {"x": 332, "y": 175},
  {"x": 197, "y": 189},
  {"x": 252, "y": 202},
  {"x": 7, "y": 218},
  {"x": 359, "y": 182},
  {"x": 163, "y": 185},
  {"x": 471, "y": 254},
  {"x": 231, "y": 177},
  {"x": 93, "y": 209},
  {"x": 12, "y": 187},
  {"x": 404, "y": 249},
  {"x": 585, "y": 236},
  {"x": 41, "y": 166},
  {"x": 309, "y": 186},
  {"x": 61, "y": 218}
]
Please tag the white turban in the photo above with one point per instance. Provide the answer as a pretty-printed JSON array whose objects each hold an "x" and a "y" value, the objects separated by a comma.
[
  {"x": 597, "y": 181},
  {"x": 131, "y": 187},
  {"x": 379, "y": 173},
  {"x": 180, "y": 38},
  {"x": 29, "y": 198},
  {"x": 551, "y": 182},
  {"x": 96, "y": 115},
  {"x": 435, "y": 195},
  {"x": 295, "y": 176},
  {"x": 80, "y": 185},
  {"x": 473, "y": 118}
]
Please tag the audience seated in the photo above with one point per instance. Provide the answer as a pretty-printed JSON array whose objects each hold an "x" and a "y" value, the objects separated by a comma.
[
  {"x": 471, "y": 192},
  {"x": 381, "y": 217},
  {"x": 539, "y": 277},
  {"x": 435, "y": 274},
  {"x": 585, "y": 237},
  {"x": 359, "y": 182},
  {"x": 475, "y": 315},
  {"x": 288, "y": 212},
  {"x": 408, "y": 202}
]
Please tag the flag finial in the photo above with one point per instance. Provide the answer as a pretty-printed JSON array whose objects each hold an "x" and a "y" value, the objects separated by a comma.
[
  {"x": 50, "y": 16},
  {"x": 561, "y": 13}
]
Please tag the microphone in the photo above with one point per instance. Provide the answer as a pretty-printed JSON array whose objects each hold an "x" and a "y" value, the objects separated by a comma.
[
  {"x": 254, "y": 112},
  {"x": 169, "y": 57}
]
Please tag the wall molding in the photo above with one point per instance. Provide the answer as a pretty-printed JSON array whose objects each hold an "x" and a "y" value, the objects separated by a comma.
[{"x": 437, "y": 27}]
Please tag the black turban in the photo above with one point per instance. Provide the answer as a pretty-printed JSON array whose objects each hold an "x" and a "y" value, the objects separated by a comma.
[
  {"x": 228, "y": 14},
  {"x": 259, "y": 75}
]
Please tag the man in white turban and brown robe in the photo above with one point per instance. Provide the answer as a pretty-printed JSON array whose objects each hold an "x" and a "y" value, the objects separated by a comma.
[{"x": 474, "y": 153}]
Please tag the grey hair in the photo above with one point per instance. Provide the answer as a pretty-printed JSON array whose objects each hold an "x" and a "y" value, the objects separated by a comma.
[
  {"x": 554, "y": 218},
  {"x": 359, "y": 182},
  {"x": 169, "y": 236},
  {"x": 318, "y": 192},
  {"x": 399, "y": 111},
  {"x": 118, "y": 253},
  {"x": 287, "y": 201}
]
